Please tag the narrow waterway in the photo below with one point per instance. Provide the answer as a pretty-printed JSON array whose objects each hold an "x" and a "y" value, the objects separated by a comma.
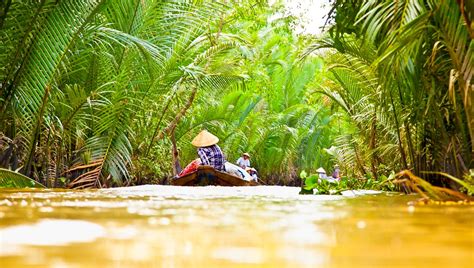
[{"x": 265, "y": 226}]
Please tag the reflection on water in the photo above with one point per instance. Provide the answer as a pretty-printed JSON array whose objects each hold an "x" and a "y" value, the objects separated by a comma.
[
  {"x": 39, "y": 233},
  {"x": 265, "y": 226}
]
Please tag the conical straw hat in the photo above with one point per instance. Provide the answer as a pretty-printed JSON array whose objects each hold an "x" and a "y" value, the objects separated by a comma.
[
  {"x": 204, "y": 139},
  {"x": 320, "y": 170}
]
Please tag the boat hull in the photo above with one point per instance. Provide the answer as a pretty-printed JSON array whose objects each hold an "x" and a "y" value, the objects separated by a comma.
[{"x": 207, "y": 175}]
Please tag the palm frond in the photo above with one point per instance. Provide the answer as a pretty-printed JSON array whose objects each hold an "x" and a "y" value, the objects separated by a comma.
[{"x": 11, "y": 179}]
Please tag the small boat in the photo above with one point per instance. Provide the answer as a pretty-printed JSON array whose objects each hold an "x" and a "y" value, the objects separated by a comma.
[{"x": 207, "y": 175}]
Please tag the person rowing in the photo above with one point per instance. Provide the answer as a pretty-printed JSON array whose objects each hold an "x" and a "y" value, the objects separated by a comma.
[
  {"x": 244, "y": 163},
  {"x": 210, "y": 154}
]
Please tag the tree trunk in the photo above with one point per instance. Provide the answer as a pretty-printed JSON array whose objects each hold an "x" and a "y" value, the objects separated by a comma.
[
  {"x": 176, "y": 165},
  {"x": 372, "y": 146},
  {"x": 400, "y": 145}
]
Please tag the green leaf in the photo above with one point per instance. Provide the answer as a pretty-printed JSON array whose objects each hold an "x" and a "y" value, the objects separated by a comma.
[
  {"x": 311, "y": 182},
  {"x": 303, "y": 174},
  {"x": 11, "y": 179}
]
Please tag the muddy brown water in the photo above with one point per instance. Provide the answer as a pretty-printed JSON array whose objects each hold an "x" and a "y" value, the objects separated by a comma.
[{"x": 264, "y": 226}]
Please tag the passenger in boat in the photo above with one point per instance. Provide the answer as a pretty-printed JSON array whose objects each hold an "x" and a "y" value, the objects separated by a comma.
[
  {"x": 244, "y": 161},
  {"x": 321, "y": 173},
  {"x": 336, "y": 174},
  {"x": 209, "y": 152},
  {"x": 237, "y": 171},
  {"x": 322, "y": 176},
  {"x": 253, "y": 173}
]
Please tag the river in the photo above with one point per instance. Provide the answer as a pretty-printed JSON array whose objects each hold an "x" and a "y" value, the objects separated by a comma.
[{"x": 263, "y": 226}]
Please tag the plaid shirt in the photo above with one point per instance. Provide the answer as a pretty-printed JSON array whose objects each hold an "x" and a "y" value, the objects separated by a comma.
[{"x": 212, "y": 156}]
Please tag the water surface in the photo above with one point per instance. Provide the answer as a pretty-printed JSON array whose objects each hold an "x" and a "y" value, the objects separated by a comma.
[{"x": 264, "y": 226}]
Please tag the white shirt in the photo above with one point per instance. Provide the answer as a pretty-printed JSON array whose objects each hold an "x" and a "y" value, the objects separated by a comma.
[{"x": 244, "y": 163}]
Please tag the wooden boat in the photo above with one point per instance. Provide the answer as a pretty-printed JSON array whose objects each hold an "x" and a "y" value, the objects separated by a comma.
[{"x": 207, "y": 175}]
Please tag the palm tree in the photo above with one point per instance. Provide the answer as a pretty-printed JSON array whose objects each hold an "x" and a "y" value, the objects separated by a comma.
[
  {"x": 85, "y": 73},
  {"x": 419, "y": 56},
  {"x": 269, "y": 114}
]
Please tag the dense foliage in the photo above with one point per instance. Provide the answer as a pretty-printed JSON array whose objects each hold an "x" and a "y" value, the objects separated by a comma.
[
  {"x": 103, "y": 93},
  {"x": 78, "y": 80},
  {"x": 402, "y": 71},
  {"x": 272, "y": 114}
]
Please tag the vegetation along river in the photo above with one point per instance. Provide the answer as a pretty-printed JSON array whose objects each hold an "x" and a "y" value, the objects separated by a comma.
[{"x": 264, "y": 226}]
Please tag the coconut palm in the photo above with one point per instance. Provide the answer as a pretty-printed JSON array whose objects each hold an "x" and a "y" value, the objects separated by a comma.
[
  {"x": 85, "y": 73},
  {"x": 269, "y": 114},
  {"x": 419, "y": 56}
]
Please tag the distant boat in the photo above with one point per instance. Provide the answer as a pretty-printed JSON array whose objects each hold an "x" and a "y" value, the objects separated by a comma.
[{"x": 207, "y": 175}]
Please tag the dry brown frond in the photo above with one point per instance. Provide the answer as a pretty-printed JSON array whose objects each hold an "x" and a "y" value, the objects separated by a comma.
[
  {"x": 89, "y": 179},
  {"x": 430, "y": 192}
]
